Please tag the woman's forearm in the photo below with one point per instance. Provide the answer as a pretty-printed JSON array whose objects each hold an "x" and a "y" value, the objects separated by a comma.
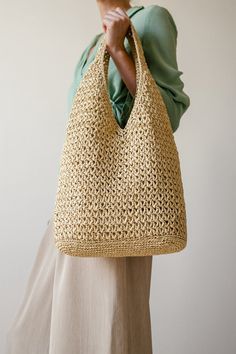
[{"x": 125, "y": 65}]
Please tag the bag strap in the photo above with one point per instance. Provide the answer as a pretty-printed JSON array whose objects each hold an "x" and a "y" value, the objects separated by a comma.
[{"x": 137, "y": 53}]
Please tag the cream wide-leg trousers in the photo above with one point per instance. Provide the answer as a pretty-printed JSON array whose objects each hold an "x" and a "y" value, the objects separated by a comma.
[{"x": 83, "y": 305}]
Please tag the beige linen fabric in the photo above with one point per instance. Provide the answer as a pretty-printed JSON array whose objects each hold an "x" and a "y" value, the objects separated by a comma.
[{"x": 83, "y": 305}]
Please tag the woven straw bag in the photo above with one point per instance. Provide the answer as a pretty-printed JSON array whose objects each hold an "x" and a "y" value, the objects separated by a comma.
[{"x": 120, "y": 191}]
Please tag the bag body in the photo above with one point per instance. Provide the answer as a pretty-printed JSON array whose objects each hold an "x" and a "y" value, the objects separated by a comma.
[{"x": 120, "y": 191}]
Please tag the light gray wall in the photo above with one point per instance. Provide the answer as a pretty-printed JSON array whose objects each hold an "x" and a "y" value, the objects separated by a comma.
[{"x": 193, "y": 292}]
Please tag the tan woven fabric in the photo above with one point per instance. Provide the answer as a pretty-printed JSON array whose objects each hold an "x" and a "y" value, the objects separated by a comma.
[{"x": 120, "y": 191}]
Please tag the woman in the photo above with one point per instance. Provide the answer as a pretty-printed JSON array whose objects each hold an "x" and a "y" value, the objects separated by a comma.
[{"x": 86, "y": 305}]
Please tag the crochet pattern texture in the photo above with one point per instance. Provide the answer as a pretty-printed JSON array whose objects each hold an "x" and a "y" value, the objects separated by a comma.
[{"x": 120, "y": 191}]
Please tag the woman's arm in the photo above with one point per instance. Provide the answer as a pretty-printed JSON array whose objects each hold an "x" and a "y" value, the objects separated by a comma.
[{"x": 125, "y": 66}]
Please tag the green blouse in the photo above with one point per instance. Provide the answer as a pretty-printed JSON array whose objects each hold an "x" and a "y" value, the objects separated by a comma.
[{"x": 158, "y": 33}]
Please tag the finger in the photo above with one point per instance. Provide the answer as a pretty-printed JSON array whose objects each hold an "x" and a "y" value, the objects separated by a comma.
[
  {"x": 118, "y": 11},
  {"x": 121, "y": 12},
  {"x": 111, "y": 21},
  {"x": 107, "y": 23},
  {"x": 113, "y": 15}
]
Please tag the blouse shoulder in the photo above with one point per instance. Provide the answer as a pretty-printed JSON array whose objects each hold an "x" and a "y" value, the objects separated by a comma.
[{"x": 159, "y": 15}]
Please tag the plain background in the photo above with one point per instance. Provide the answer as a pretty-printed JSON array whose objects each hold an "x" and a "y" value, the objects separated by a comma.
[{"x": 193, "y": 292}]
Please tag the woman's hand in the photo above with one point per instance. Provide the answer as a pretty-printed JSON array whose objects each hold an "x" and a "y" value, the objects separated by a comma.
[{"x": 115, "y": 24}]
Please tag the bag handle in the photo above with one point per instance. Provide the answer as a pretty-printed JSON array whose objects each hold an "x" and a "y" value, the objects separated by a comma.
[{"x": 138, "y": 56}]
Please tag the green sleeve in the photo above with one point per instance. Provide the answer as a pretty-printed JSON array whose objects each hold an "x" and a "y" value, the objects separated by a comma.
[
  {"x": 160, "y": 46},
  {"x": 122, "y": 106}
]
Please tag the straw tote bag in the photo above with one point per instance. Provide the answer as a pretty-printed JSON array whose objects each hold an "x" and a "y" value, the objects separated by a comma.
[{"x": 120, "y": 190}]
